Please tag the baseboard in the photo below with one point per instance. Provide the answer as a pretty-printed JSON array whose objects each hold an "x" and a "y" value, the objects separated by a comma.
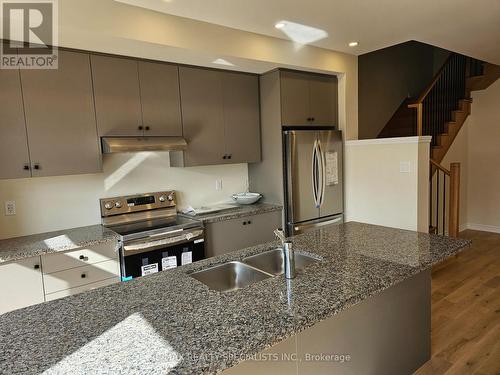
[{"x": 481, "y": 227}]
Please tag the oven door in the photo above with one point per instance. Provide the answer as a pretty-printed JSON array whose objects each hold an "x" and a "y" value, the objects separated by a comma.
[{"x": 161, "y": 252}]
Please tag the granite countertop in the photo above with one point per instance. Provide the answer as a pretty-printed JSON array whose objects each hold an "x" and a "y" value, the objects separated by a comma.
[
  {"x": 52, "y": 242},
  {"x": 237, "y": 212},
  {"x": 171, "y": 322}
]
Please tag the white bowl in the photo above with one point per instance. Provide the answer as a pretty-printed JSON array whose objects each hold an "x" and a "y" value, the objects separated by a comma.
[{"x": 246, "y": 198}]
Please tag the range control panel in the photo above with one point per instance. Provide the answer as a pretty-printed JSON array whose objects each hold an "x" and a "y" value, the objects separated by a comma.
[{"x": 136, "y": 203}]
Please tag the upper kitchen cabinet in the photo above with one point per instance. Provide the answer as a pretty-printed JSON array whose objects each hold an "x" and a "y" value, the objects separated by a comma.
[
  {"x": 220, "y": 112},
  {"x": 136, "y": 97},
  {"x": 241, "y": 117},
  {"x": 60, "y": 117},
  {"x": 323, "y": 99},
  {"x": 117, "y": 96},
  {"x": 13, "y": 142},
  {"x": 308, "y": 98},
  {"x": 160, "y": 99},
  {"x": 202, "y": 116}
]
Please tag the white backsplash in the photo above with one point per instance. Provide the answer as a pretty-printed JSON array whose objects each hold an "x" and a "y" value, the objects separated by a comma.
[{"x": 52, "y": 203}]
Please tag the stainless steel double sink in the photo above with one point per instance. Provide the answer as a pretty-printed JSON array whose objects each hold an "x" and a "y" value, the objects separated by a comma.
[{"x": 236, "y": 275}]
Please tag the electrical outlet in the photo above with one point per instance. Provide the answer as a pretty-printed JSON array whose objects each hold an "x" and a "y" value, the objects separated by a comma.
[
  {"x": 404, "y": 167},
  {"x": 218, "y": 184},
  {"x": 10, "y": 208}
]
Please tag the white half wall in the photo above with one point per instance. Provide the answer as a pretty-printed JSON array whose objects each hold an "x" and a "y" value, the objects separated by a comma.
[
  {"x": 53, "y": 203},
  {"x": 387, "y": 182}
]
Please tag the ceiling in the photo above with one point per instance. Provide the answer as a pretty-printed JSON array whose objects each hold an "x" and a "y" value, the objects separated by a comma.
[{"x": 466, "y": 26}]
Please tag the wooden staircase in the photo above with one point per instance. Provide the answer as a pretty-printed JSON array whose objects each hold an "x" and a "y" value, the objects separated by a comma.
[
  {"x": 445, "y": 104},
  {"x": 490, "y": 73},
  {"x": 440, "y": 111},
  {"x": 451, "y": 128}
]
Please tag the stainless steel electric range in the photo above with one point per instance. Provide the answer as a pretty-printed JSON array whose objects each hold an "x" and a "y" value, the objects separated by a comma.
[{"x": 153, "y": 237}]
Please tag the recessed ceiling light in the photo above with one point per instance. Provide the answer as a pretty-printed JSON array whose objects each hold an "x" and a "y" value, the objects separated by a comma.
[
  {"x": 299, "y": 33},
  {"x": 353, "y": 44}
]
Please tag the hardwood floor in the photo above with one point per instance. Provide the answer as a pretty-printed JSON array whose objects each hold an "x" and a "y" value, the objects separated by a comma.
[{"x": 466, "y": 310}]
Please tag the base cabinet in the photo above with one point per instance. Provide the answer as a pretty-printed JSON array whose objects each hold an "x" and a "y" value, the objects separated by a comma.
[
  {"x": 51, "y": 276},
  {"x": 20, "y": 284},
  {"x": 230, "y": 235},
  {"x": 388, "y": 333}
]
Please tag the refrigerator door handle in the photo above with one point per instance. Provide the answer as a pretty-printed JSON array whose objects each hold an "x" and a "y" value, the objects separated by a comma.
[
  {"x": 314, "y": 177},
  {"x": 322, "y": 174}
]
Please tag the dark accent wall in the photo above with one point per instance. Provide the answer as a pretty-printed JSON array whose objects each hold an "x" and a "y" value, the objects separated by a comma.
[{"x": 387, "y": 76}]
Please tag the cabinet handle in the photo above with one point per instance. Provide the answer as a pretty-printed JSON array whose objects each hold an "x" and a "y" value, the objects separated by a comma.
[
  {"x": 312, "y": 118},
  {"x": 229, "y": 156},
  {"x": 36, "y": 266},
  {"x": 147, "y": 128},
  {"x": 83, "y": 276},
  {"x": 140, "y": 127},
  {"x": 308, "y": 119},
  {"x": 36, "y": 166},
  {"x": 244, "y": 223},
  {"x": 26, "y": 167},
  {"x": 249, "y": 222},
  {"x": 224, "y": 157},
  {"x": 84, "y": 258}
]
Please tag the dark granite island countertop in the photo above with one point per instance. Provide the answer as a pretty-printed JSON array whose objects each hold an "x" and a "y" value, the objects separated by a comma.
[
  {"x": 51, "y": 242},
  {"x": 171, "y": 323}
]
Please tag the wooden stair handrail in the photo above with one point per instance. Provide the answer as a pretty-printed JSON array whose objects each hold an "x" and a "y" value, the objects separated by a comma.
[
  {"x": 418, "y": 103},
  {"x": 439, "y": 166},
  {"x": 424, "y": 94},
  {"x": 454, "y": 197}
]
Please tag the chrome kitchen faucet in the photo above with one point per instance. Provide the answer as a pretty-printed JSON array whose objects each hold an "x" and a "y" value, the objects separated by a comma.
[{"x": 288, "y": 255}]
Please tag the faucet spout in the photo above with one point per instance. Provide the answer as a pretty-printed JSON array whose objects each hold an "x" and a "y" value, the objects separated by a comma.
[
  {"x": 289, "y": 260},
  {"x": 288, "y": 255},
  {"x": 280, "y": 235}
]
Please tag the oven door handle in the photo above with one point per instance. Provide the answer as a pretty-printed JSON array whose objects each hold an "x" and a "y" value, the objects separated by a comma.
[{"x": 150, "y": 245}]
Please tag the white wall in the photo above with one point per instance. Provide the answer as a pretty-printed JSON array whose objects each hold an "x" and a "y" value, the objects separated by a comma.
[
  {"x": 54, "y": 203},
  {"x": 376, "y": 192},
  {"x": 477, "y": 148}
]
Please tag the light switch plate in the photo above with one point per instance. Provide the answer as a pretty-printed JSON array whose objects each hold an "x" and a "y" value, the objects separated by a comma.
[
  {"x": 404, "y": 167},
  {"x": 10, "y": 208}
]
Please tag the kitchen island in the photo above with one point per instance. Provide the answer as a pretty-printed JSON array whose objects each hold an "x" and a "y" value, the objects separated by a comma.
[{"x": 171, "y": 323}]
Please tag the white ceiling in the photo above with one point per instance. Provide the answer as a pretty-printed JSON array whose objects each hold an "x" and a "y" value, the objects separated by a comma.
[{"x": 471, "y": 27}]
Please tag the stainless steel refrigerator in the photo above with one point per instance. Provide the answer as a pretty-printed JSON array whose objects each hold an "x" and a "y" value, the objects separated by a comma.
[{"x": 314, "y": 196}]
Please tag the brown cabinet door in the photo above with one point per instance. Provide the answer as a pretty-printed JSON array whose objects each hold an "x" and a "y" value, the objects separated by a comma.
[
  {"x": 241, "y": 117},
  {"x": 294, "y": 98},
  {"x": 117, "y": 96},
  {"x": 13, "y": 141},
  {"x": 323, "y": 99},
  {"x": 230, "y": 235},
  {"x": 160, "y": 99},
  {"x": 60, "y": 117},
  {"x": 202, "y": 114}
]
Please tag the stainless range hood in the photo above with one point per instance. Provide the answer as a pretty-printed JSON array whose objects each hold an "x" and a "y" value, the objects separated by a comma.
[{"x": 112, "y": 145}]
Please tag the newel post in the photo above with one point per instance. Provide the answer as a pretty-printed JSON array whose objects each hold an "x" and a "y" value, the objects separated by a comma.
[
  {"x": 454, "y": 206},
  {"x": 419, "y": 120}
]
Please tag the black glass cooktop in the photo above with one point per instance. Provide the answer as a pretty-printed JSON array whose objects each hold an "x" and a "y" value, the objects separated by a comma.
[{"x": 174, "y": 222}]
